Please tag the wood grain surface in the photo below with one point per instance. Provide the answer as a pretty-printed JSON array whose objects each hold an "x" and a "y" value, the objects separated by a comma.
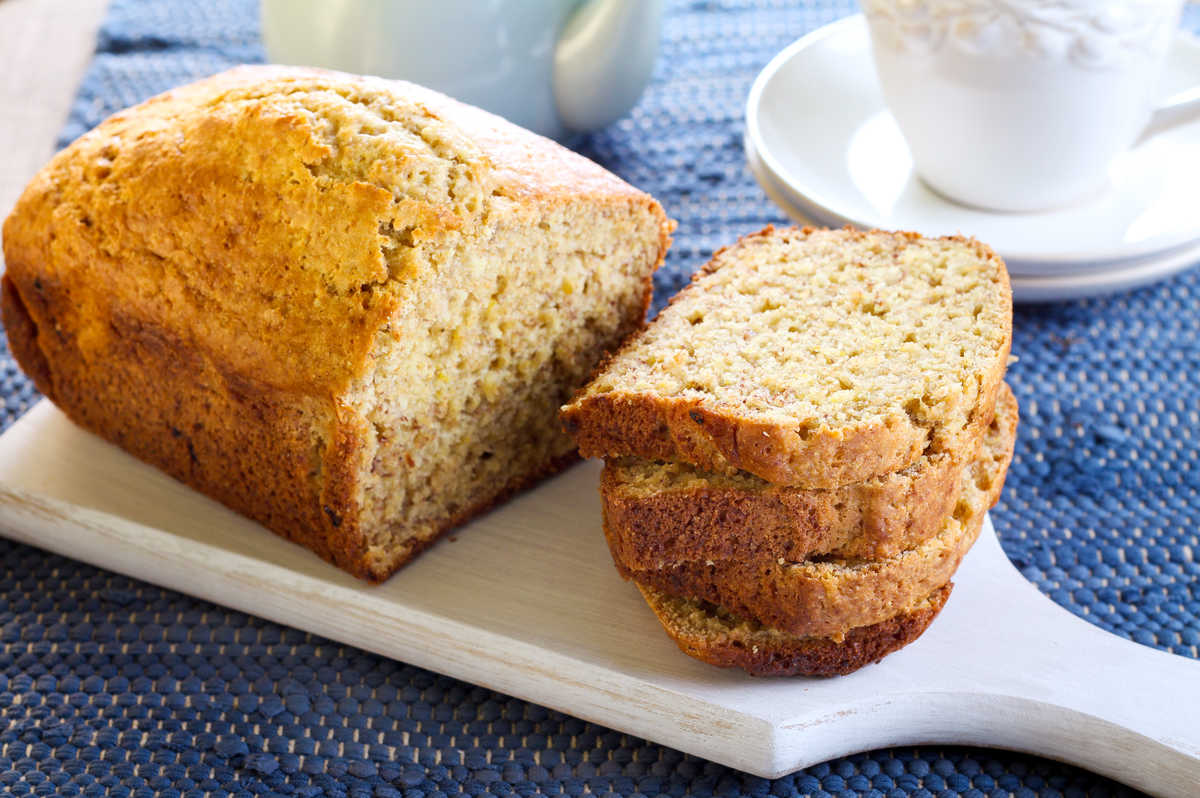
[
  {"x": 525, "y": 601},
  {"x": 45, "y": 47}
]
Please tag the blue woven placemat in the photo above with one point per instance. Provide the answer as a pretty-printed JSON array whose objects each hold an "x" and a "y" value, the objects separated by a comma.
[{"x": 109, "y": 686}]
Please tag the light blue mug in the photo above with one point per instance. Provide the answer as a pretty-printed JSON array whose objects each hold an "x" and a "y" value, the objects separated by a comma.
[{"x": 553, "y": 66}]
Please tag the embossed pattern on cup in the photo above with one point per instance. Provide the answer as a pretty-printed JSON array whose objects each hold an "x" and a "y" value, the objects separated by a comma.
[{"x": 1019, "y": 105}]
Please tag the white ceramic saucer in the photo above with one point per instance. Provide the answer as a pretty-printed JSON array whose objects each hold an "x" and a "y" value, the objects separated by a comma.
[
  {"x": 816, "y": 120},
  {"x": 1119, "y": 276}
]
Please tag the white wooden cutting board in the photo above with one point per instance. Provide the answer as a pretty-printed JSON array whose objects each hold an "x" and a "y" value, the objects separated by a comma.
[{"x": 525, "y": 601}]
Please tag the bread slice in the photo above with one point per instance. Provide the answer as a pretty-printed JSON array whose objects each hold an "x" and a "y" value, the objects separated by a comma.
[
  {"x": 828, "y": 596},
  {"x": 715, "y": 636},
  {"x": 346, "y": 307},
  {"x": 813, "y": 358},
  {"x": 661, "y": 514}
]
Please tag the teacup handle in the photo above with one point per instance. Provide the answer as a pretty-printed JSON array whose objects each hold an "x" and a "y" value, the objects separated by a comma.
[
  {"x": 1179, "y": 108},
  {"x": 604, "y": 59}
]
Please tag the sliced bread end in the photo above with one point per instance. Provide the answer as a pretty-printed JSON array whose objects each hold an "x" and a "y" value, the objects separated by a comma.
[
  {"x": 660, "y": 514},
  {"x": 704, "y": 632},
  {"x": 829, "y": 595},
  {"x": 812, "y": 358}
]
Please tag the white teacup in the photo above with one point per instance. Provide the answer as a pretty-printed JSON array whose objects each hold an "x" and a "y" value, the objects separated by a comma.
[
  {"x": 553, "y": 66},
  {"x": 1020, "y": 105}
]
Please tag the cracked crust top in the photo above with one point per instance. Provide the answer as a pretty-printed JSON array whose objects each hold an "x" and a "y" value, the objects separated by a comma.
[
  {"x": 812, "y": 358},
  {"x": 307, "y": 200},
  {"x": 210, "y": 280}
]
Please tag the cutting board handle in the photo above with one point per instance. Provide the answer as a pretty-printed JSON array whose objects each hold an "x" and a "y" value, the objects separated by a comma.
[
  {"x": 1102, "y": 700},
  {"x": 1006, "y": 667}
]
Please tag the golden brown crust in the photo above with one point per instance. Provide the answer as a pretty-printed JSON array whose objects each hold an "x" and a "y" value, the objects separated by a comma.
[
  {"x": 656, "y": 427},
  {"x": 175, "y": 408},
  {"x": 621, "y": 425},
  {"x": 829, "y": 596},
  {"x": 201, "y": 278},
  {"x": 209, "y": 428},
  {"x": 804, "y": 601},
  {"x": 783, "y": 655},
  {"x": 248, "y": 220},
  {"x": 866, "y": 520},
  {"x": 224, "y": 269},
  {"x": 719, "y": 519},
  {"x": 22, "y": 337},
  {"x": 618, "y": 425}
]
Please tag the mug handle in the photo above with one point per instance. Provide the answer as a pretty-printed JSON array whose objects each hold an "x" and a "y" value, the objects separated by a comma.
[{"x": 1178, "y": 108}]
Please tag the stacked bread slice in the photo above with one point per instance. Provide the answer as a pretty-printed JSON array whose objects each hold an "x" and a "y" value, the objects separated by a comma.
[{"x": 802, "y": 446}]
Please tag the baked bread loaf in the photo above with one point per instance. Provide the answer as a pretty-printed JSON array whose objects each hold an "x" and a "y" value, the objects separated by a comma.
[
  {"x": 346, "y": 307},
  {"x": 713, "y": 635},
  {"x": 812, "y": 358},
  {"x": 660, "y": 514},
  {"x": 828, "y": 596},
  {"x": 802, "y": 447}
]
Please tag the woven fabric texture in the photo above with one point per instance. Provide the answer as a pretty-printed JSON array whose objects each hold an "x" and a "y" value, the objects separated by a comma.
[{"x": 109, "y": 686}]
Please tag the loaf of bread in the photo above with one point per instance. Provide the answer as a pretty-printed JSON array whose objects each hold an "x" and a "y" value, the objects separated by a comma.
[
  {"x": 813, "y": 358},
  {"x": 715, "y": 636},
  {"x": 828, "y": 596},
  {"x": 348, "y": 308},
  {"x": 658, "y": 514},
  {"x": 802, "y": 447}
]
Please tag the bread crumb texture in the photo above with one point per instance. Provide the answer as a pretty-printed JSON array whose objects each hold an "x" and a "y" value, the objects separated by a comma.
[
  {"x": 812, "y": 358},
  {"x": 346, "y": 307},
  {"x": 829, "y": 595},
  {"x": 658, "y": 514},
  {"x": 713, "y": 635}
]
